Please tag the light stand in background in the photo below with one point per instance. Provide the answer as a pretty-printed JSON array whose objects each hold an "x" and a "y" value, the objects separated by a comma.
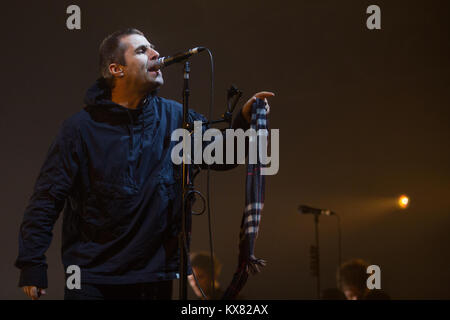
[
  {"x": 314, "y": 249},
  {"x": 314, "y": 255}
]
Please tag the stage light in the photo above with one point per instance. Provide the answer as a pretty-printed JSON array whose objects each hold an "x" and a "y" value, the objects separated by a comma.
[{"x": 403, "y": 201}]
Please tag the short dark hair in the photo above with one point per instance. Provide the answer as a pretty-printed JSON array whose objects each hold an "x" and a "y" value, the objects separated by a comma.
[
  {"x": 354, "y": 273},
  {"x": 111, "y": 51}
]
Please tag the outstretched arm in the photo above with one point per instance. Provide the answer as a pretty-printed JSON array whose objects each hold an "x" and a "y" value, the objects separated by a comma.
[
  {"x": 47, "y": 201},
  {"x": 241, "y": 121}
]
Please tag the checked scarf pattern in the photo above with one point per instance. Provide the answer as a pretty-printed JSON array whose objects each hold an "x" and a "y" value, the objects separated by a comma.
[{"x": 254, "y": 203}]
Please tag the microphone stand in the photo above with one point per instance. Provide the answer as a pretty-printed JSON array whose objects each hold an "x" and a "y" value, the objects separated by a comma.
[
  {"x": 314, "y": 250},
  {"x": 182, "y": 237},
  {"x": 233, "y": 96}
]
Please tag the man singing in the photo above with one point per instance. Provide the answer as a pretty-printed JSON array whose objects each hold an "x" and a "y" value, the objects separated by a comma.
[{"x": 110, "y": 168}]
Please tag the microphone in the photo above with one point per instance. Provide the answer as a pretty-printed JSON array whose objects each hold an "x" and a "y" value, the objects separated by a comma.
[
  {"x": 167, "y": 61},
  {"x": 309, "y": 210}
]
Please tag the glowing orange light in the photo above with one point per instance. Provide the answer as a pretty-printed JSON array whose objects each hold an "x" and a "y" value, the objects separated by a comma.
[{"x": 403, "y": 201}]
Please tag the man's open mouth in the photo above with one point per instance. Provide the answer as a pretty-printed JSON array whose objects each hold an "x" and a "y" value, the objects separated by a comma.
[
  {"x": 153, "y": 70},
  {"x": 153, "y": 67}
]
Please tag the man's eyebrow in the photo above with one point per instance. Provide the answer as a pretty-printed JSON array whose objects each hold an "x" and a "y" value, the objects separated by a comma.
[{"x": 144, "y": 46}]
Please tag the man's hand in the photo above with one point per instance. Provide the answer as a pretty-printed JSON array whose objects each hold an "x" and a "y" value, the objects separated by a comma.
[
  {"x": 33, "y": 292},
  {"x": 247, "y": 109}
]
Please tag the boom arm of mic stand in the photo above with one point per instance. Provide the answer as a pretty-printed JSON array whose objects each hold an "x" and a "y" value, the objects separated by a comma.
[{"x": 233, "y": 96}]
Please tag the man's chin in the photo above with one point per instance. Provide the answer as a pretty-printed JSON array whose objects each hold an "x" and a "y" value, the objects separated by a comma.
[
  {"x": 159, "y": 81},
  {"x": 154, "y": 85}
]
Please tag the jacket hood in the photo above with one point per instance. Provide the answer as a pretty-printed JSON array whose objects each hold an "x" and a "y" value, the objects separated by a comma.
[
  {"x": 102, "y": 109},
  {"x": 99, "y": 95}
]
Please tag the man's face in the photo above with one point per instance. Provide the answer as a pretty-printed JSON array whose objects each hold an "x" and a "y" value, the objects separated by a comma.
[{"x": 137, "y": 72}]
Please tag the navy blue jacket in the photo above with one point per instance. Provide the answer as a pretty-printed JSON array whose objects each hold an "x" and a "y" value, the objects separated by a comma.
[{"x": 110, "y": 169}]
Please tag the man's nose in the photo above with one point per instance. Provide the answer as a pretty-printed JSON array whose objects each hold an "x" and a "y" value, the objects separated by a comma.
[{"x": 153, "y": 54}]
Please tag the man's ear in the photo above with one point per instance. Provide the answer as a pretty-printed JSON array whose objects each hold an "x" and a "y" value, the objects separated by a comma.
[{"x": 116, "y": 70}]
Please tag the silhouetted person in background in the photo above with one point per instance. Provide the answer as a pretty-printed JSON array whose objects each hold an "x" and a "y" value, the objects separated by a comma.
[
  {"x": 202, "y": 267},
  {"x": 352, "y": 276}
]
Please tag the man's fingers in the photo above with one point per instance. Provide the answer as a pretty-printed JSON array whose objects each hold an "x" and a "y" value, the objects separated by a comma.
[
  {"x": 34, "y": 293},
  {"x": 264, "y": 94},
  {"x": 28, "y": 291}
]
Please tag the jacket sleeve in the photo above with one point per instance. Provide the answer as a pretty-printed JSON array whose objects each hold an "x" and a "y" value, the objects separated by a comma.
[
  {"x": 239, "y": 122},
  {"x": 54, "y": 182}
]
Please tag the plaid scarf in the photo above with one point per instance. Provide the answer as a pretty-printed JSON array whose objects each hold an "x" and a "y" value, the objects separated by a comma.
[{"x": 254, "y": 203}]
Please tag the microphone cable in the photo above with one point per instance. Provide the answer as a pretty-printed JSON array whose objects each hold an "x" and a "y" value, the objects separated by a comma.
[
  {"x": 208, "y": 191},
  {"x": 208, "y": 178}
]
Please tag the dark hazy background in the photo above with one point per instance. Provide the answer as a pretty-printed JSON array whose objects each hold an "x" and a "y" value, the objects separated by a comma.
[{"x": 363, "y": 117}]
